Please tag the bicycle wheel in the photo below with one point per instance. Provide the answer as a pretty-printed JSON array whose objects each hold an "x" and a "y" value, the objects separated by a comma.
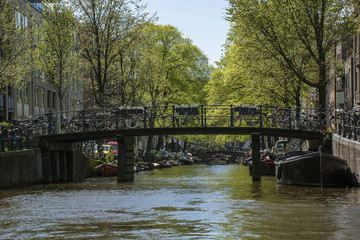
[
  {"x": 98, "y": 122},
  {"x": 75, "y": 124},
  {"x": 253, "y": 120},
  {"x": 191, "y": 121},
  {"x": 132, "y": 122},
  {"x": 272, "y": 121},
  {"x": 164, "y": 120}
]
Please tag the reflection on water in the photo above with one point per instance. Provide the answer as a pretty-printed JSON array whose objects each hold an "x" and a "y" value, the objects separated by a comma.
[{"x": 187, "y": 202}]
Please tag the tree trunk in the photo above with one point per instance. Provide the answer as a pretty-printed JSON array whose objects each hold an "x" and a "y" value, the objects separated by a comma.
[
  {"x": 159, "y": 143},
  {"x": 185, "y": 145},
  {"x": 149, "y": 143}
]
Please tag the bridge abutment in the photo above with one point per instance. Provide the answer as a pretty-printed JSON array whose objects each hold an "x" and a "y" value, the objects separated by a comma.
[
  {"x": 126, "y": 172},
  {"x": 63, "y": 162},
  {"x": 255, "y": 149}
]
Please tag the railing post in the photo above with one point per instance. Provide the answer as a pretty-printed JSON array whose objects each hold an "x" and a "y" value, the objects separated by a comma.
[
  {"x": 145, "y": 114},
  {"x": 354, "y": 121},
  {"x": 2, "y": 139},
  {"x": 344, "y": 130},
  {"x": 20, "y": 138},
  {"x": 205, "y": 116},
  {"x": 290, "y": 119},
  {"x": 116, "y": 111},
  {"x": 12, "y": 138},
  {"x": 82, "y": 113},
  {"x": 173, "y": 116},
  {"x": 202, "y": 115},
  {"x": 231, "y": 116},
  {"x": 261, "y": 117},
  {"x": 320, "y": 117},
  {"x": 49, "y": 122},
  {"x": 349, "y": 125},
  {"x": 339, "y": 123},
  {"x": 27, "y": 137}
]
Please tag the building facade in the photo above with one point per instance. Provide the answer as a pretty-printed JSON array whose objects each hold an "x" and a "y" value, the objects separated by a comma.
[
  {"x": 35, "y": 95},
  {"x": 344, "y": 77}
]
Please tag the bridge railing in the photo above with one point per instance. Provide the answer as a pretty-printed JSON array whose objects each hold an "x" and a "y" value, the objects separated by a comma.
[{"x": 16, "y": 135}]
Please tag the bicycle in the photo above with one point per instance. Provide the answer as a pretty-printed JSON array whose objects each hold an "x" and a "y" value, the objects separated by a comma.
[
  {"x": 311, "y": 121},
  {"x": 279, "y": 118},
  {"x": 79, "y": 122},
  {"x": 132, "y": 117},
  {"x": 182, "y": 116},
  {"x": 247, "y": 116}
]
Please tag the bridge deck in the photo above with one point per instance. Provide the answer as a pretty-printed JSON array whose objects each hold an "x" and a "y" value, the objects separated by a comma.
[{"x": 92, "y": 135}]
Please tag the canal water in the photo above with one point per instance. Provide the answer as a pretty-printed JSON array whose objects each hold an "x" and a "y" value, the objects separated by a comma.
[{"x": 187, "y": 202}]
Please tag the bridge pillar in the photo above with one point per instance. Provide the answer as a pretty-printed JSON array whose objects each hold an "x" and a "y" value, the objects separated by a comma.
[
  {"x": 70, "y": 166},
  {"x": 255, "y": 146},
  {"x": 62, "y": 166},
  {"x": 46, "y": 165},
  {"x": 55, "y": 171},
  {"x": 125, "y": 159}
]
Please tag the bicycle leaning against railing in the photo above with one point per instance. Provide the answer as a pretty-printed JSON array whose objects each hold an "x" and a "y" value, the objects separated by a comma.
[{"x": 182, "y": 116}]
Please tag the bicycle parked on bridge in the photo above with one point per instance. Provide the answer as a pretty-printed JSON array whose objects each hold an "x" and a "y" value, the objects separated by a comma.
[
  {"x": 187, "y": 117},
  {"x": 280, "y": 117},
  {"x": 320, "y": 120},
  {"x": 246, "y": 117}
]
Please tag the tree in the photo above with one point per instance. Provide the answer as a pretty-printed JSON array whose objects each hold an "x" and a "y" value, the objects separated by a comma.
[
  {"x": 107, "y": 29},
  {"x": 172, "y": 69},
  {"x": 57, "y": 53},
  {"x": 13, "y": 45},
  {"x": 293, "y": 30}
]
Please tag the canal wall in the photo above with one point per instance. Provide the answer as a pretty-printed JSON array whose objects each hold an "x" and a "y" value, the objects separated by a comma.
[
  {"x": 36, "y": 166},
  {"x": 20, "y": 168},
  {"x": 348, "y": 150}
]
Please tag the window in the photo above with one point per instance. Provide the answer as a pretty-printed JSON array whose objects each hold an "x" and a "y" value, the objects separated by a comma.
[
  {"x": 42, "y": 98},
  {"x": 37, "y": 96},
  {"x": 54, "y": 100},
  {"x": 19, "y": 95},
  {"x": 26, "y": 94},
  {"x": 17, "y": 19}
]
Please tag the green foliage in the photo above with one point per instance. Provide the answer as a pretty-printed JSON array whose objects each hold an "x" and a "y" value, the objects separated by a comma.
[
  {"x": 15, "y": 47},
  {"x": 108, "y": 29},
  {"x": 57, "y": 52},
  {"x": 294, "y": 38},
  {"x": 173, "y": 70}
]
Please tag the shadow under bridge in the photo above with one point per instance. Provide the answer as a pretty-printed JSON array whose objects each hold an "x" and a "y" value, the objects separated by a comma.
[{"x": 125, "y": 138}]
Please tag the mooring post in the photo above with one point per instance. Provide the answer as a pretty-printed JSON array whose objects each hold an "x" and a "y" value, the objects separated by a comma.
[
  {"x": 255, "y": 148},
  {"x": 125, "y": 159}
]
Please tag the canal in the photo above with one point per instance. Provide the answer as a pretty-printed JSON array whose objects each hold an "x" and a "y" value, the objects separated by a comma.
[{"x": 187, "y": 202}]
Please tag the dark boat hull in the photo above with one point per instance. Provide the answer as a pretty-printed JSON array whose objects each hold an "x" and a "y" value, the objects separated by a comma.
[
  {"x": 218, "y": 161},
  {"x": 106, "y": 170},
  {"x": 267, "y": 167},
  {"x": 313, "y": 169}
]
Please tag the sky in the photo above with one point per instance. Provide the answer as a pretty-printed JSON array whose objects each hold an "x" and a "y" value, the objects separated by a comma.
[{"x": 202, "y": 21}]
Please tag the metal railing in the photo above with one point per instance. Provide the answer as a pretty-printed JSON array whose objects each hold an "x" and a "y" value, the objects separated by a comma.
[{"x": 16, "y": 135}]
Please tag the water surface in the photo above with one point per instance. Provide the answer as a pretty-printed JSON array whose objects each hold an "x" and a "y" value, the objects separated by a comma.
[{"x": 187, "y": 202}]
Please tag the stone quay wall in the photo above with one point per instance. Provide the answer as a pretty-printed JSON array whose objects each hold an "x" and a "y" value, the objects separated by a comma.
[
  {"x": 20, "y": 168},
  {"x": 32, "y": 166},
  {"x": 348, "y": 150}
]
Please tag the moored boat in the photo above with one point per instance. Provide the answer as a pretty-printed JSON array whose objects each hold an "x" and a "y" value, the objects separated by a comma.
[
  {"x": 316, "y": 169},
  {"x": 186, "y": 161},
  {"x": 106, "y": 170},
  {"x": 218, "y": 161}
]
